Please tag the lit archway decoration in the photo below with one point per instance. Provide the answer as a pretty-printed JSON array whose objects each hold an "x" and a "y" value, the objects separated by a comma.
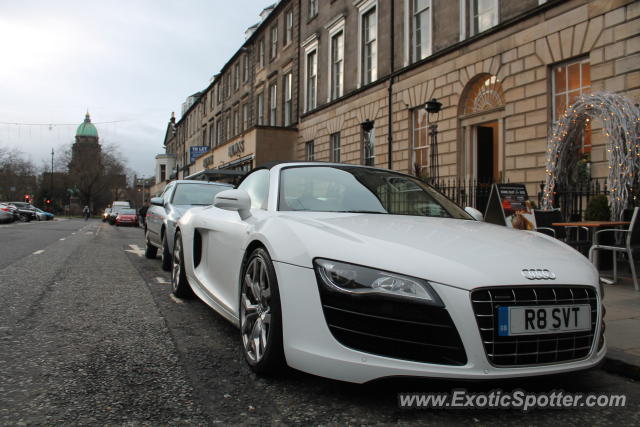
[{"x": 621, "y": 124}]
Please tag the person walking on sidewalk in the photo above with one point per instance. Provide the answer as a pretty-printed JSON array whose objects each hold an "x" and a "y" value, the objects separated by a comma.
[{"x": 86, "y": 212}]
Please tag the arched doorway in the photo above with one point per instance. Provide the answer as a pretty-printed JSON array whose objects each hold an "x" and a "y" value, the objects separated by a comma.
[{"x": 481, "y": 142}]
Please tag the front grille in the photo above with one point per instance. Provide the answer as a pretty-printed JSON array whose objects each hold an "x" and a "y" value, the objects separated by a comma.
[
  {"x": 394, "y": 328},
  {"x": 532, "y": 349}
]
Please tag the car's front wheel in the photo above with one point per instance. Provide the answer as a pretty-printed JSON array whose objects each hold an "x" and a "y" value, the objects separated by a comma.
[
  {"x": 179, "y": 283},
  {"x": 260, "y": 315},
  {"x": 166, "y": 255}
]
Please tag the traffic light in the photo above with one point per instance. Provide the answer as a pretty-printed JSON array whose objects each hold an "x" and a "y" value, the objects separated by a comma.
[
  {"x": 26, "y": 198},
  {"x": 48, "y": 202}
]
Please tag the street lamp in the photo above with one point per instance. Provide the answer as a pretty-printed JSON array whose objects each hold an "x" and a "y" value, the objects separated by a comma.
[
  {"x": 433, "y": 108},
  {"x": 367, "y": 128}
]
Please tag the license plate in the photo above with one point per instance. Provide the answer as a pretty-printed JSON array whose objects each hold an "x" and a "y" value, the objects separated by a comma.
[{"x": 540, "y": 319}]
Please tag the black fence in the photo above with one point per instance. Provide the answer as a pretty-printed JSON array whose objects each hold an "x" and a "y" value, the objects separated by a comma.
[
  {"x": 465, "y": 193},
  {"x": 571, "y": 201}
]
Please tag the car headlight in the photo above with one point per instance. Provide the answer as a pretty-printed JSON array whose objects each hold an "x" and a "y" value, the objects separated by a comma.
[{"x": 358, "y": 280}]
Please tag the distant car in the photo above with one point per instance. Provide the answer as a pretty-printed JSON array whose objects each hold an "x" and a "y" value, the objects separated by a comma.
[
  {"x": 127, "y": 216},
  {"x": 114, "y": 213},
  {"x": 7, "y": 213},
  {"x": 120, "y": 203},
  {"x": 43, "y": 216},
  {"x": 165, "y": 211},
  {"x": 105, "y": 214},
  {"x": 26, "y": 211}
]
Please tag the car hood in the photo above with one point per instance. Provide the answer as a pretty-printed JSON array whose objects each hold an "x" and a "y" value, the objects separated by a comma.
[{"x": 462, "y": 253}]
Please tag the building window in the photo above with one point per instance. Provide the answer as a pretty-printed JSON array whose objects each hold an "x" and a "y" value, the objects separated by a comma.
[
  {"x": 261, "y": 53},
  {"x": 273, "y": 104},
  {"x": 421, "y": 29},
  {"x": 287, "y": 99},
  {"x": 368, "y": 146},
  {"x": 569, "y": 81},
  {"x": 335, "y": 147},
  {"x": 219, "y": 90},
  {"x": 236, "y": 122},
  {"x": 245, "y": 116},
  {"x": 309, "y": 151},
  {"x": 288, "y": 27},
  {"x": 312, "y": 76},
  {"x": 260, "y": 108},
  {"x": 485, "y": 15},
  {"x": 245, "y": 68},
  {"x": 369, "y": 47},
  {"x": 236, "y": 76},
  {"x": 274, "y": 42},
  {"x": 163, "y": 173},
  {"x": 337, "y": 64},
  {"x": 313, "y": 8},
  {"x": 227, "y": 128},
  {"x": 212, "y": 134},
  {"x": 220, "y": 133},
  {"x": 420, "y": 158}
]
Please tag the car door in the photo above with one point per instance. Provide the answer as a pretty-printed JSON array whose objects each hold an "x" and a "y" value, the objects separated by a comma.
[{"x": 226, "y": 237}]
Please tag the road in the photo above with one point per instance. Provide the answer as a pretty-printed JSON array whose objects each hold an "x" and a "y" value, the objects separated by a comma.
[{"x": 90, "y": 334}]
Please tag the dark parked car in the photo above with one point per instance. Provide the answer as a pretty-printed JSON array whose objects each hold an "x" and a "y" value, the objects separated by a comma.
[
  {"x": 26, "y": 211},
  {"x": 165, "y": 211}
]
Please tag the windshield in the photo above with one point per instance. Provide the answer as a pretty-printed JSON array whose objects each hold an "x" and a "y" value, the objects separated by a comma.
[
  {"x": 361, "y": 190},
  {"x": 196, "y": 194}
]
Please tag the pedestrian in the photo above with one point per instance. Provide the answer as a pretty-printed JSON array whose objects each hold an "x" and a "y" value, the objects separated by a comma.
[
  {"x": 86, "y": 212},
  {"x": 142, "y": 214}
]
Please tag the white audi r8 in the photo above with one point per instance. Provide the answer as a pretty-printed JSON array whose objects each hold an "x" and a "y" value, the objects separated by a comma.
[{"x": 357, "y": 273}]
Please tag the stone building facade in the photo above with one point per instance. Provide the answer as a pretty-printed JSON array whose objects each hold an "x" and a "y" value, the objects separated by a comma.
[{"x": 362, "y": 71}]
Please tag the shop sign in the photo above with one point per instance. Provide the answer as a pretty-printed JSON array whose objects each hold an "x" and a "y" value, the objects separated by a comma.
[{"x": 236, "y": 148}]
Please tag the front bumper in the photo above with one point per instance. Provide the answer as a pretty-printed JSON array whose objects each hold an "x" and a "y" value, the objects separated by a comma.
[{"x": 310, "y": 346}]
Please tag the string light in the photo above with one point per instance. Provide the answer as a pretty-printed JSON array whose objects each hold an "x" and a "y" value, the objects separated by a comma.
[{"x": 620, "y": 117}]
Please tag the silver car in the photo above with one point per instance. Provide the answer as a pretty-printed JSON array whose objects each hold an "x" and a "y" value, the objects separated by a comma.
[{"x": 165, "y": 211}]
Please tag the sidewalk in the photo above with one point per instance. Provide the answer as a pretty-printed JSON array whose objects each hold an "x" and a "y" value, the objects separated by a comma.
[{"x": 622, "y": 326}]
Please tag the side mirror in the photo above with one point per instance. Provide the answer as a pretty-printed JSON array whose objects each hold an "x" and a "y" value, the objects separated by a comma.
[
  {"x": 475, "y": 213},
  {"x": 234, "y": 200},
  {"x": 157, "y": 201}
]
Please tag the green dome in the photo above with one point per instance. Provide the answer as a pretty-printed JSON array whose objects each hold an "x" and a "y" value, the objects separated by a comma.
[{"x": 87, "y": 128}]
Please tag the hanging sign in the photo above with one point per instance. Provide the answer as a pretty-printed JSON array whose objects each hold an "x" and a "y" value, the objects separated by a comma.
[
  {"x": 509, "y": 205},
  {"x": 197, "y": 151}
]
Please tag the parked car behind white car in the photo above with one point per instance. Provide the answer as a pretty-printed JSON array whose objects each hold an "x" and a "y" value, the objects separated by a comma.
[
  {"x": 356, "y": 273},
  {"x": 165, "y": 211}
]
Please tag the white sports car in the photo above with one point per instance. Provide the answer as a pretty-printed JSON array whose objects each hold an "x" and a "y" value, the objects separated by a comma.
[{"x": 356, "y": 273}]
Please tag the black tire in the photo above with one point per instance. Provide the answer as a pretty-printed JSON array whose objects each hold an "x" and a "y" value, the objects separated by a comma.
[
  {"x": 24, "y": 218},
  {"x": 165, "y": 254},
  {"x": 179, "y": 283},
  {"x": 271, "y": 360},
  {"x": 150, "y": 250}
]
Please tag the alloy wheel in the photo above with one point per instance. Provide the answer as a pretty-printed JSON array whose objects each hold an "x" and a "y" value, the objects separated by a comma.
[
  {"x": 255, "y": 310},
  {"x": 177, "y": 266}
]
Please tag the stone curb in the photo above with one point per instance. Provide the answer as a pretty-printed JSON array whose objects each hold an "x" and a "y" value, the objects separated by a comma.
[{"x": 622, "y": 363}]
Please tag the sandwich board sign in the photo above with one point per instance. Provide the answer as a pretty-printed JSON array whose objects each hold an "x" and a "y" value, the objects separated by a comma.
[{"x": 509, "y": 205}]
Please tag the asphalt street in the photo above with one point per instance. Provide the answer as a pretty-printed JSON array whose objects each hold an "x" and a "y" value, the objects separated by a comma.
[{"x": 90, "y": 335}]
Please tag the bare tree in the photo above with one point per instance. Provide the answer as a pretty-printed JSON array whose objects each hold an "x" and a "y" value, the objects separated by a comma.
[{"x": 17, "y": 174}]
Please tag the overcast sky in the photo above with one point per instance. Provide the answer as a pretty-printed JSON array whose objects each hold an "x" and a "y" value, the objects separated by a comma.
[{"x": 132, "y": 62}]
